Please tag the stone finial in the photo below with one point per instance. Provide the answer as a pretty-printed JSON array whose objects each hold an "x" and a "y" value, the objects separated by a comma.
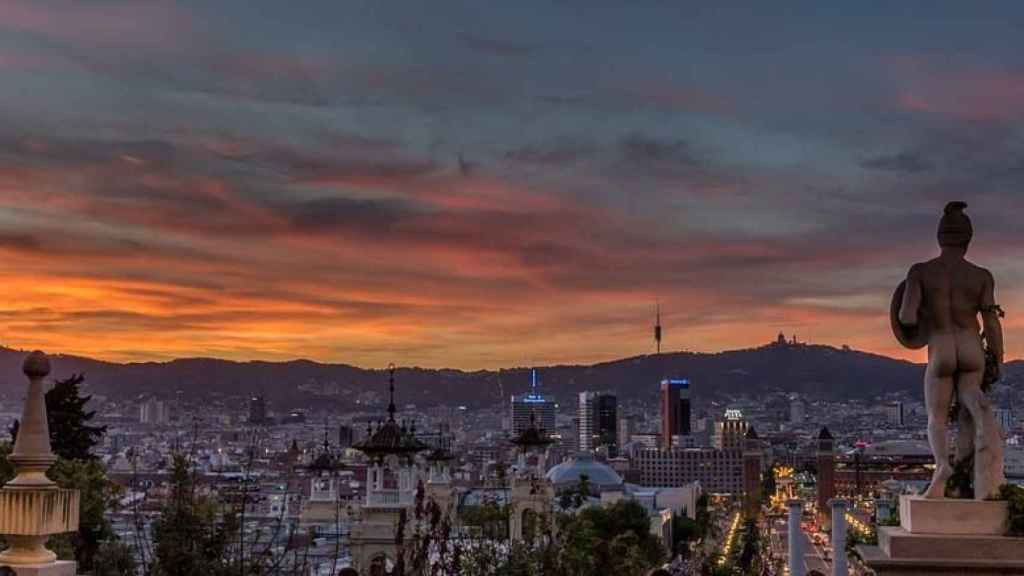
[
  {"x": 32, "y": 455},
  {"x": 36, "y": 365}
]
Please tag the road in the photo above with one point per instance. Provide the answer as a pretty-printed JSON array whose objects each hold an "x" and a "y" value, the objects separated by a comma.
[{"x": 814, "y": 556}]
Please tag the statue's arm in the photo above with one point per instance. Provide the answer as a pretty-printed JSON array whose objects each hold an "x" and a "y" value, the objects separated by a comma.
[
  {"x": 911, "y": 297},
  {"x": 990, "y": 317}
]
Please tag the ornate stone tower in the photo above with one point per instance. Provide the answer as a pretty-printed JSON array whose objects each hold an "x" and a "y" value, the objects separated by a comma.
[
  {"x": 753, "y": 456},
  {"x": 439, "y": 486},
  {"x": 32, "y": 507},
  {"x": 826, "y": 459},
  {"x": 391, "y": 484},
  {"x": 532, "y": 494}
]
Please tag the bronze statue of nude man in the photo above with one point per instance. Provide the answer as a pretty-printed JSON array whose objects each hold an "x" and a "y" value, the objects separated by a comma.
[{"x": 939, "y": 307}]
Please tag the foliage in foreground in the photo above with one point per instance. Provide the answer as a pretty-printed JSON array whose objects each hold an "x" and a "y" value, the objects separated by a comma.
[
  {"x": 596, "y": 541},
  {"x": 1014, "y": 496}
]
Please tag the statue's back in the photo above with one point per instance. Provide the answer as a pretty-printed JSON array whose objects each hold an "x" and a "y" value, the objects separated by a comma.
[{"x": 952, "y": 292}]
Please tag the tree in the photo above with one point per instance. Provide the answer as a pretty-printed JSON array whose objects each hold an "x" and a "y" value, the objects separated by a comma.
[
  {"x": 114, "y": 558},
  {"x": 190, "y": 537},
  {"x": 582, "y": 491},
  {"x": 71, "y": 436},
  {"x": 751, "y": 548},
  {"x": 96, "y": 493},
  {"x": 684, "y": 531},
  {"x": 703, "y": 516},
  {"x": 616, "y": 539}
]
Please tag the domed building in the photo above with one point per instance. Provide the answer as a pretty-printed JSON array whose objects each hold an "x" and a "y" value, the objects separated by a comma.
[{"x": 600, "y": 476}]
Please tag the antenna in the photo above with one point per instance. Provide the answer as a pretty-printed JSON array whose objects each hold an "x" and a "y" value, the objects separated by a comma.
[
  {"x": 391, "y": 392},
  {"x": 657, "y": 326}
]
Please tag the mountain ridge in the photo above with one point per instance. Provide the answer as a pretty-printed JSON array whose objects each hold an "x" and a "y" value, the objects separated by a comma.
[{"x": 812, "y": 369}]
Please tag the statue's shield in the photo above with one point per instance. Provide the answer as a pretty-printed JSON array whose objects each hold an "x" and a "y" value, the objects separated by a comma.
[{"x": 913, "y": 337}]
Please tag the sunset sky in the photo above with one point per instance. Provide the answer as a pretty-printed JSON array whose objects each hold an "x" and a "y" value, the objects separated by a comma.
[{"x": 487, "y": 184}]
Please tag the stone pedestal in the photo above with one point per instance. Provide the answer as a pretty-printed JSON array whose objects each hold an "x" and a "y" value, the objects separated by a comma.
[
  {"x": 946, "y": 537},
  {"x": 952, "y": 516}
]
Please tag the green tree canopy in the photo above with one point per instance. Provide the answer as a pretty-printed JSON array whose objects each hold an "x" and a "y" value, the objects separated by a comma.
[
  {"x": 190, "y": 537},
  {"x": 71, "y": 435}
]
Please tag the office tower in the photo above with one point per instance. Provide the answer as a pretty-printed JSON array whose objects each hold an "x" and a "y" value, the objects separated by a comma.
[
  {"x": 675, "y": 409},
  {"x": 598, "y": 416},
  {"x": 607, "y": 422},
  {"x": 625, "y": 430},
  {"x": 257, "y": 410},
  {"x": 153, "y": 411},
  {"x": 894, "y": 414},
  {"x": 540, "y": 405}
]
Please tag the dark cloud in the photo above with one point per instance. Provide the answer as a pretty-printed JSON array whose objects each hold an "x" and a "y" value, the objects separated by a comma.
[
  {"x": 554, "y": 153},
  {"x": 20, "y": 242},
  {"x": 496, "y": 47},
  {"x": 908, "y": 162},
  {"x": 643, "y": 149},
  {"x": 340, "y": 214}
]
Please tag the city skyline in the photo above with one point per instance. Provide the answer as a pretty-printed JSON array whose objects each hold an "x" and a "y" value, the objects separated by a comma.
[{"x": 485, "y": 187}]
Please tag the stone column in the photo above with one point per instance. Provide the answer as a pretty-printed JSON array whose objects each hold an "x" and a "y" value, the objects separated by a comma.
[
  {"x": 32, "y": 507},
  {"x": 838, "y": 537},
  {"x": 795, "y": 537}
]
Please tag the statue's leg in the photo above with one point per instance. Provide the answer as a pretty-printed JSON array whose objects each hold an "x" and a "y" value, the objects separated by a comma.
[
  {"x": 988, "y": 441},
  {"x": 938, "y": 394},
  {"x": 965, "y": 434}
]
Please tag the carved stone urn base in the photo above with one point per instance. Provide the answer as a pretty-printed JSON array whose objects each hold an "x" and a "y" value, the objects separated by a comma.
[{"x": 59, "y": 568}]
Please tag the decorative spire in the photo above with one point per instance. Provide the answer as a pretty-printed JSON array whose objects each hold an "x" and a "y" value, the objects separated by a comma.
[{"x": 391, "y": 392}]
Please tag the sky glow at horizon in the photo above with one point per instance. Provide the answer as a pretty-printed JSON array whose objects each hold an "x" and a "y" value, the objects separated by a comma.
[{"x": 476, "y": 186}]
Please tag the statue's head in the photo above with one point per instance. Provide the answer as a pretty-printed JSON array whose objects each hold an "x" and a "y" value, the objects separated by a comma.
[{"x": 955, "y": 230}]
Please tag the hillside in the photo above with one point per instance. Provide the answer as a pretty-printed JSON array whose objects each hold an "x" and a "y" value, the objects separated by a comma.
[{"x": 808, "y": 369}]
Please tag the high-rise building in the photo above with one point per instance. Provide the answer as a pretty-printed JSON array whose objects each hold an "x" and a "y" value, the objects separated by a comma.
[
  {"x": 894, "y": 413},
  {"x": 675, "y": 410},
  {"x": 598, "y": 419},
  {"x": 540, "y": 405},
  {"x": 625, "y": 430},
  {"x": 730, "y": 432},
  {"x": 257, "y": 410},
  {"x": 153, "y": 411}
]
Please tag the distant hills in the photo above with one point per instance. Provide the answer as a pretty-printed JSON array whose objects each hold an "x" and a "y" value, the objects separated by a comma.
[{"x": 816, "y": 370}]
